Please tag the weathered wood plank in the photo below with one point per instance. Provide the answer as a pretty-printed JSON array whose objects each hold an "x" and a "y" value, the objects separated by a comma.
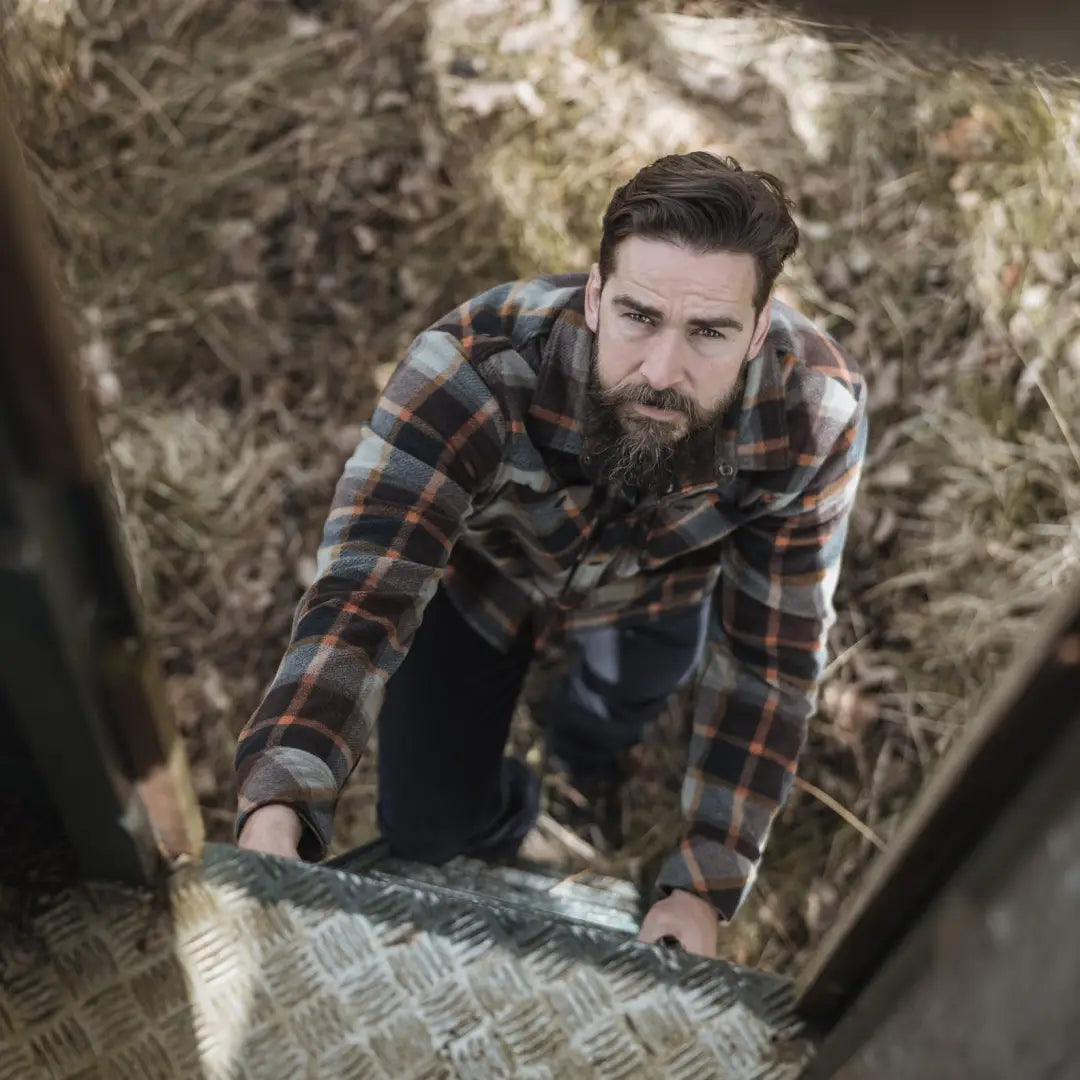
[
  {"x": 988, "y": 984},
  {"x": 1044, "y": 31},
  {"x": 1032, "y": 707},
  {"x": 77, "y": 675}
]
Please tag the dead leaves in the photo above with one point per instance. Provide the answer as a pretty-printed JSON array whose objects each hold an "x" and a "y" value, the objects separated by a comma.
[{"x": 969, "y": 137}]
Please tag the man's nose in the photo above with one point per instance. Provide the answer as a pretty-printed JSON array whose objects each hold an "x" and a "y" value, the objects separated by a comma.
[{"x": 661, "y": 367}]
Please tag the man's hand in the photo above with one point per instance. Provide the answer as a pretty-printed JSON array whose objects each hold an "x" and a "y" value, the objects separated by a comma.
[
  {"x": 690, "y": 920},
  {"x": 274, "y": 830}
]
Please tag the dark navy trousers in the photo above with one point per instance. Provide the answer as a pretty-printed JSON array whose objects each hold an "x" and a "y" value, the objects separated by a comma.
[{"x": 445, "y": 786}]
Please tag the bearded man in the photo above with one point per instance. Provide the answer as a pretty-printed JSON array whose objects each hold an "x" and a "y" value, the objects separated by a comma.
[{"x": 657, "y": 459}]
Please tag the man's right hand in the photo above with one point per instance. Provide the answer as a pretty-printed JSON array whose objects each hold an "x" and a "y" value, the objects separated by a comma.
[{"x": 274, "y": 830}]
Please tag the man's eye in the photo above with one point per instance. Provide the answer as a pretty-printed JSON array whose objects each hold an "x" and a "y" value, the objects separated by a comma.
[
  {"x": 709, "y": 332},
  {"x": 636, "y": 316}
]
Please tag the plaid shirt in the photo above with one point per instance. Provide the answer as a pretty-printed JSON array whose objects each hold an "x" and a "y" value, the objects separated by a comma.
[{"x": 471, "y": 473}]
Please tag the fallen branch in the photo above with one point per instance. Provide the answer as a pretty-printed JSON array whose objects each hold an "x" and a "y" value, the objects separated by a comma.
[{"x": 843, "y": 811}]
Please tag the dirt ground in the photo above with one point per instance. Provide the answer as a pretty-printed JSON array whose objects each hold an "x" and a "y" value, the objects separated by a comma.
[{"x": 257, "y": 205}]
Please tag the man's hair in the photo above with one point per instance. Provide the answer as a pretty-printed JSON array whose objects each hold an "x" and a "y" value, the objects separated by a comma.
[{"x": 707, "y": 204}]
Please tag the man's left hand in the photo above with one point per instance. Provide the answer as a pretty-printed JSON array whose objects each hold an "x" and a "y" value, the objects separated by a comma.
[{"x": 693, "y": 922}]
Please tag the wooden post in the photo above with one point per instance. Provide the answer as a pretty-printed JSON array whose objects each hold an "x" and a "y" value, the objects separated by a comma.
[
  {"x": 963, "y": 939},
  {"x": 987, "y": 984},
  {"x": 1035, "y": 703},
  {"x": 77, "y": 675}
]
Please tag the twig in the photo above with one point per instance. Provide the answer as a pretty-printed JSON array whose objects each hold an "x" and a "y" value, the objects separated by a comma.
[
  {"x": 391, "y": 15},
  {"x": 842, "y": 658},
  {"x": 843, "y": 811},
  {"x": 568, "y": 791},
  {"x": 900, "y": 581},
  {"x": 566, "y": 882},
  {"x": 143, "y": 96},
  {"x": 571, "y": 841},
  {"x": 1051, "y": 402}
]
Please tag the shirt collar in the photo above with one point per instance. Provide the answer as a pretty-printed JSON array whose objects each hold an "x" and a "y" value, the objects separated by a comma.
[{"x": 755, "y": 432}]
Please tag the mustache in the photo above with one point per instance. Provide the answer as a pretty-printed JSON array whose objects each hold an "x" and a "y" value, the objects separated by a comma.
[{"x": 642, "y": 394}]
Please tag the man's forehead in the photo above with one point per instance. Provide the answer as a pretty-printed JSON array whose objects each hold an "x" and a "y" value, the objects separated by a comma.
[{"x": 659, "y": 273}]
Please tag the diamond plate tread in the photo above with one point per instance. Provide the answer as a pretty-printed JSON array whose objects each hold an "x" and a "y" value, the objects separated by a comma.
[
  {"x": 593, "y": 899},
  {"x": 254, "y": 968}
]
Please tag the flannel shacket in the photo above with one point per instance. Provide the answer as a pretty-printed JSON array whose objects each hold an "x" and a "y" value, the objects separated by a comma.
[{"x": 471, "y": 473}]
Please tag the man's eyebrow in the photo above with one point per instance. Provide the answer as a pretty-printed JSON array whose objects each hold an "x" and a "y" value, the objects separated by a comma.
[
  {"x": 717, "y": 322},
  {"x": 623, "y": 300},
  {"x": 711, "y": 322}
]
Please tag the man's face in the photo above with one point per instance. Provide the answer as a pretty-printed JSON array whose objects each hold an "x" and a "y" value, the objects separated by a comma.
[{"x": 674, "y": 329}]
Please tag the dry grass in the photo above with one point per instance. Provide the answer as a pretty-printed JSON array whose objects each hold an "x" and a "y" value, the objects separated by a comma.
[{"x": 257, "y": 205}]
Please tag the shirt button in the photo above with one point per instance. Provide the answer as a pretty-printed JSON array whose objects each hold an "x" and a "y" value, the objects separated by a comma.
[{"x": 726, "y": 470}]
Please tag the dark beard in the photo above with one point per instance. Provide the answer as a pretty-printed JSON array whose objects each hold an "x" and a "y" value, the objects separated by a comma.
[{"x": 631, "y": 451}]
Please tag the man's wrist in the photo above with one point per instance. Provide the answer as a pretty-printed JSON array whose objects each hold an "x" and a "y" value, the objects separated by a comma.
[
  {"x": 705, "y": 906},
  {"x": 698, "y": 907},
  {"x": 278, "y": 820}
]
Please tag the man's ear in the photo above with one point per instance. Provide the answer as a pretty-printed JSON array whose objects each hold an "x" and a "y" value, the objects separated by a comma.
[
  {"x": 761, "y": 329},
  {"x": 592, "y": 298}
]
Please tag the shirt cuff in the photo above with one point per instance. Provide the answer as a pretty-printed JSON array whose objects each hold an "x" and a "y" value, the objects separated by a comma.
[
  {"x": 296, "y": 779},
  {"x": 711, "y": 870}
]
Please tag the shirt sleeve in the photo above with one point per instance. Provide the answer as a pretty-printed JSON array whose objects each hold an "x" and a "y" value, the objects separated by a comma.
[
  {"x": 772, "y": 612},
  {"x": 434, "y": 441}
]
